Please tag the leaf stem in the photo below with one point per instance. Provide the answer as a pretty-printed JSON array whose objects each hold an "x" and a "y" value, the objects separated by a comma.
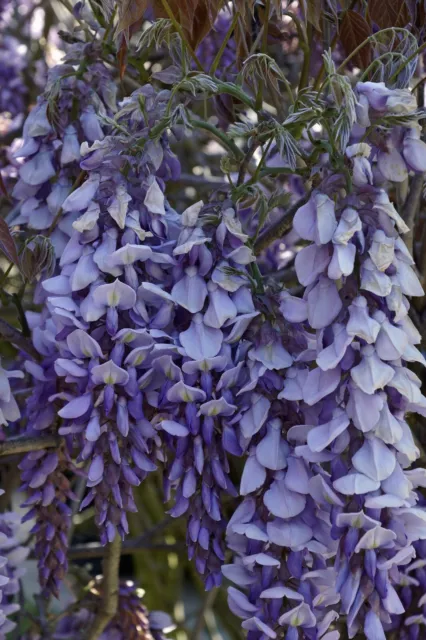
[
  {"x": 266, "y": 26},
  {"x": 232, "y": 90},
  {"x": 219, "y": 54},
  {"x": 246, "y": 161},
  {"x": 227, "y": 142},
  {"x": 371, "y": 65}
]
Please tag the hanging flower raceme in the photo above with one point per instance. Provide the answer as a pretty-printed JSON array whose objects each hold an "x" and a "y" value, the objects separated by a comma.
[
  {"x": 66, "y": 115},
  {"x": 49, "y": 493},
  {"x": 43, "y": 472},
  {"x": 280, "y": 534},
  {"x": 357, "y": 274},
  {"x": 102, "y": 328},
  {"x": 410, "y": 585},
  {"x": 192, "y": 380},
  {"x": 63, "y": 118},
  {"x": 12, "y": 555},
  {"x": 133, "y": 621}
]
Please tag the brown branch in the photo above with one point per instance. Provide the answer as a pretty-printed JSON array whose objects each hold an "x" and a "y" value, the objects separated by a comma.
[
  {"x": 110, "y": 584},
  {"x": 411, "y": 208},
  {"x": 95, "y": 550},
  {"x": 15, "y": 337},
  {"x": 209, "y": 182},
  {"x": 25, "y": 444},
  {"x": 287, "y": 274},
  {"x": 129, "y": 546},
  {"x": 280, "y": 227}
]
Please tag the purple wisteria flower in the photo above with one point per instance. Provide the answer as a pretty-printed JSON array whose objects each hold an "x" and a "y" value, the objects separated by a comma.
[
  {"x": 101, "y": 321},
  {"x": 358, "y": 274},
  {"x": 78, "y": 94},
  {"x": 410, "y": 621},
  {"x": 12, "y": 555},
  {"x": 9, "y": 410},
  {"x": 395, "y": 153},
  {"x": 53, "y": 133},
  {"x": 281, "y": 533},
  {"x": 162, "y": 347},
  {"x": 195, "y": 385},
  {"x": 49, "y": 493},
  {"x": 42, "y": 472},
  {"x": 330, "y": 516}
]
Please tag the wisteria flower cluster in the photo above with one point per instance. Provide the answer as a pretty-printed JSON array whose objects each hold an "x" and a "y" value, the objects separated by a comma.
[
  {"x": 12, "y": 553},
  {"x": 254, "y": 351},
  {"x": 352, "y": 446},
  {"x": 66, "y": 116}
]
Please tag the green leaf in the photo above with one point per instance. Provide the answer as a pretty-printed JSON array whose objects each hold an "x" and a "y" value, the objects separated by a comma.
[
  {"x": 157, "y": 34},
  {"x": 287, "y": 146}
]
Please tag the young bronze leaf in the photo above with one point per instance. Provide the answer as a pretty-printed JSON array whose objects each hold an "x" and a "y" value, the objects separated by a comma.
[
  {"x": 203, "y": 19},
  {"x": 203, "y": 22},
  {"x": 389, "y": 13},
  {"x": 130, "y": 15},
  {"x": 3, "y": 189},
  {"x": 354, "y": 29},
  {"x": 7, "y": 243},
  {"x": 196, "y": 17},
  {"x": 188, "y": 12},
  {"x": 122, "y": 58},
  {"x": 420, "y": 15}
]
